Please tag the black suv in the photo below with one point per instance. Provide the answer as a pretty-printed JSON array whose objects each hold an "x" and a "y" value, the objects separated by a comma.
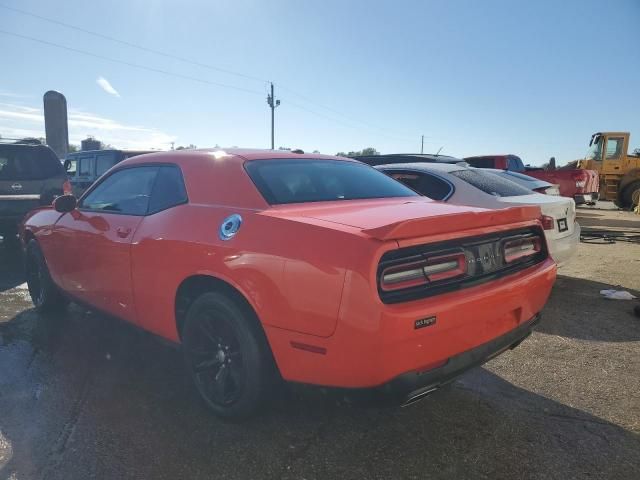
[{"x": 31, "y": 175}]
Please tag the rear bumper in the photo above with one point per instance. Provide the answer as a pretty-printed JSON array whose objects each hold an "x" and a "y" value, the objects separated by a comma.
[
  {"x": 562, "y": 249},
  {"x": 413, "y": 386},
  {"x": 375, "y": 344}
]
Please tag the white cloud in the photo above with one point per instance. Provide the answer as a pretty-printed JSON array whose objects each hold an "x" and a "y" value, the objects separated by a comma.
[
  {"x": 19, "y": 121},
  {"x": 7, "y": 94},
  {"x": 107, "y": 87}
]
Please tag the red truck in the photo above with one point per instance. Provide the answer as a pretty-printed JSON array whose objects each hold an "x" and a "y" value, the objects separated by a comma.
[{"x": 581, "y": 185}]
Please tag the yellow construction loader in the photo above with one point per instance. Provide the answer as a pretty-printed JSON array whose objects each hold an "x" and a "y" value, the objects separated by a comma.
[{"x": 619, "y": 170}]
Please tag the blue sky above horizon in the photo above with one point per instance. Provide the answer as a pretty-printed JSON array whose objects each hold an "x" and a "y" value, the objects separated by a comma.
[{"x": 530, "y": 78}]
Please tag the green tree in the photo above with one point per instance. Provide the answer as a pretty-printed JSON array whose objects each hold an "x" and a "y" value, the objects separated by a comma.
[{"x": 364, "y": 151}]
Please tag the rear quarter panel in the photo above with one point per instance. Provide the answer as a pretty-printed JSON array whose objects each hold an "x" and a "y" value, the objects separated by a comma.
[{"x": 292, "y": 273}]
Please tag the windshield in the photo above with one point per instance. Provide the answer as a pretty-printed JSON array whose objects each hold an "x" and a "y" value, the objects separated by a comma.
[
  {"x": 595, "y": 150},
  {"x": 491, "y": 183},
  {"x": 28, "y": 163},
  {"x": 308, "y": 180}
]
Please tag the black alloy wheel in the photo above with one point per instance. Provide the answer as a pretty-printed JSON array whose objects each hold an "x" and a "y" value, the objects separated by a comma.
[{"x": 227, "y": 355}]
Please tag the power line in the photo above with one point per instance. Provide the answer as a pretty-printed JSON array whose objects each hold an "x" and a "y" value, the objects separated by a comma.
[
  {"x": 130, "y": 64},
  {"x": 188, "y": 61},
  {"x": 352, "y": 119},
  {"x": 132, "y": 45}
]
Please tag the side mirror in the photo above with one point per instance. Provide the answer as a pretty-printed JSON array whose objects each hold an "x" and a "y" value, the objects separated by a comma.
[
  {"x": 67, "y": 165},
  {"x": 65, "y": 203}
]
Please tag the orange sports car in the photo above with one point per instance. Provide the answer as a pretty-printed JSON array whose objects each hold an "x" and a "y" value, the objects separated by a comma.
[{"x": 317, "y": 269}]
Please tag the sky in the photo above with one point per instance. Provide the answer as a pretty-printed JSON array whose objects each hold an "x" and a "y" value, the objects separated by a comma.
[{"x": 534, "y": 79}]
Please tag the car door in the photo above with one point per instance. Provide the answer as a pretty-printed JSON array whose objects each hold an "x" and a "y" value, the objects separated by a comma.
[{"x": 97, "y": 240}]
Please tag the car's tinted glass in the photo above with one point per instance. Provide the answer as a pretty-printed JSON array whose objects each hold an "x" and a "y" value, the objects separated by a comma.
[
  {"x": 85, "y": 166},
  {"x": 125, "y": 191},
  {"x": 515, "y": 164},
  {"x": 483, "y": 162},
  {"x": 168, "y": 190},
  {"x": 491, "y": 184},
  {"x": 423, "y": 183},
  {"x": 104, "y": 162},
  {"x": 28, "y": 163},
  {"x": 309, "y": 180}
]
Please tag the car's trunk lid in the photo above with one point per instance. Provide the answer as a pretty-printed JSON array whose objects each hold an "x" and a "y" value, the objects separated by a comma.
[
  {"x": 561, "y": 209},
  {"x": 399, "y": 218}
]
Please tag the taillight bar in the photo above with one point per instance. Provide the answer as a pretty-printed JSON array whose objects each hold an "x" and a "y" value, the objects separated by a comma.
[
  {"x": 520, "y": 248},
  {"x": 422, "y": 272},
  {"x": 548, "y": 222}
]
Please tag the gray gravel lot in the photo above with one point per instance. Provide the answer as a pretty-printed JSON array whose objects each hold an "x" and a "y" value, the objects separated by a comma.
[{"x": 83, "y": 396}]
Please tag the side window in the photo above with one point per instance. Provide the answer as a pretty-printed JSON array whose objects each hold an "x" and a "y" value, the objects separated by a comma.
[
  {"x": 614, "y": 148},
  {"x": 125, "y": 191},
  {"x": 168, "y": 190},
  {"x": 438, "y": 189},
  {"x": 425, "y": 184},
  {"x": 85, "y": 166},
  {"x": 515, "y": 164},
  {"x": 103, "y": 163}
]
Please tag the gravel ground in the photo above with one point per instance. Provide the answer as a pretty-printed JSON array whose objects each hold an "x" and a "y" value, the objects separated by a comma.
[{"x": 83, "y": 396}]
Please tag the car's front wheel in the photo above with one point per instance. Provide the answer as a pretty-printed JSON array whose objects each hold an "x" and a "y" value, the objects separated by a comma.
[
  {"x": 227, "y": 355},
  {"x": 44, "y": 293}
]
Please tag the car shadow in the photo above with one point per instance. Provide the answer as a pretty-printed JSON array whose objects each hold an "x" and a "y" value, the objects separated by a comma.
[
  {"x": 11, "y": 266},
  {"x": 613, "y": 323},
  {"x": 593, "y": 222},
  {"x": 593, "y": 219},
  {"x": 85, "y": 396}
]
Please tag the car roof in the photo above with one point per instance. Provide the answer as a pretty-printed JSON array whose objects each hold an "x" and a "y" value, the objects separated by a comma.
[
  {"x": 110, "y": 150},
  {"x": 426, "y": 167},
  {"x": 227, "y": 155}
]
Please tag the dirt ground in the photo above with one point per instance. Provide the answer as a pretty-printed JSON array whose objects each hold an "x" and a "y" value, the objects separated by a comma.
[{"x": 83, "y": 396}]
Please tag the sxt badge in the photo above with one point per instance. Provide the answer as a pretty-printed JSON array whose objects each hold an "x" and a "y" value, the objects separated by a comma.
[{"x": 425, "y": 322}]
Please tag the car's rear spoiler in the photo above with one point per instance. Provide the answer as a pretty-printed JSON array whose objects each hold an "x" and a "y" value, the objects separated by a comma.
[{"x": 452, "y": 223}]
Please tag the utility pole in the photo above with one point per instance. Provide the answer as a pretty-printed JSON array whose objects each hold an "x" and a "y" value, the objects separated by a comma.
[
  {"x": 422, "y": 145},
  {"x": 273, "y": 104}
]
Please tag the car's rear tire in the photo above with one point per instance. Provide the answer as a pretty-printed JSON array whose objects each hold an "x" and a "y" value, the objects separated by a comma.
[
  {"x": 227, "y": 355},
  {"x": 44, "y": 293}
]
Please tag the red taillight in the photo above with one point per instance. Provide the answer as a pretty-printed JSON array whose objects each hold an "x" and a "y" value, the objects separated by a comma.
[
  {"x": 422, "y": 272},
  {"x": 547, "y": 222},
  {"x": 519, "y": 248},
  {"x": 66, "y": 188}
]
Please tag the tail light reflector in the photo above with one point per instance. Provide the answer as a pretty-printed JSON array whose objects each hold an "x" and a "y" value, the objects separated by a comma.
[
  {"x": 521, "y": 248},
  {"x": 547, "y": 222},
  {"x": 416, "y": 273}
]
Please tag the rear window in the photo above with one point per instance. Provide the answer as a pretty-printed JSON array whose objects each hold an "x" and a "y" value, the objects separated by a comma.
[
  {"x": 28, "y": 163},
  {"x": 309, "y": 180},
  {"x": 491, "y": 184}
]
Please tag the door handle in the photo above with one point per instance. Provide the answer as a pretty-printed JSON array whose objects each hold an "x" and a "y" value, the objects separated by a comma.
[{"x": 123, "y": 232}]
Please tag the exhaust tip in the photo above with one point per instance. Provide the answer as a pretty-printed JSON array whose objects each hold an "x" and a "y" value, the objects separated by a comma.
[{"x": 418, "y": 396}]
